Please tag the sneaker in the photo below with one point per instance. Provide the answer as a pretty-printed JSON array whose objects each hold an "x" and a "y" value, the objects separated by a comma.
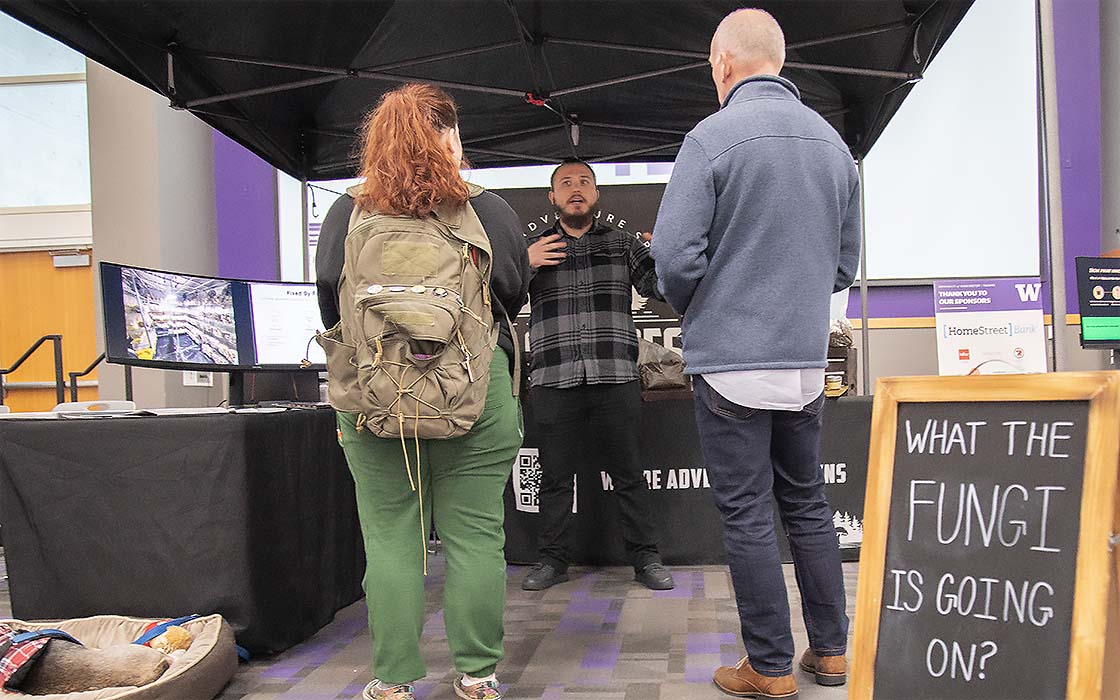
[
  {"x": 743, "y": 681},
  {"x": 655, "y": 577},
  {"x": 486, "y": 690},
  {"x": 827, "y": 670},
  {"x": 394, "y": 692},
  {"x": 543, "y": 576}
]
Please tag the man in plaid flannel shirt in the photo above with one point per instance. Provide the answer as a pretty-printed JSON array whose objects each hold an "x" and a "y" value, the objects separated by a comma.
[{"x": 585, "y": 392}]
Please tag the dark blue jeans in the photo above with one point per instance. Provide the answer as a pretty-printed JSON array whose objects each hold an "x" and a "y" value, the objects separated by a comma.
[{"x": 751, "y": 454}]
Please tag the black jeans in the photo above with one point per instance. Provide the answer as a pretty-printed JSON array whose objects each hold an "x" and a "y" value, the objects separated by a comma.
[
  {"x": 583, "y": 430},
  {"x": 751, "y": 454}
]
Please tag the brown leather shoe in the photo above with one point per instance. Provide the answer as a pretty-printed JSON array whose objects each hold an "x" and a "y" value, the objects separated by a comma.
[
  {"x": 743, "y": 681},
  {"x": 828, "y": 670}
]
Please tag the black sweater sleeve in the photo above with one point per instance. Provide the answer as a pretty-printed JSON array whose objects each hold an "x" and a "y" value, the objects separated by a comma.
[
  {"x": 509, "y": 280},
  {"x": 328, "y": 258}
]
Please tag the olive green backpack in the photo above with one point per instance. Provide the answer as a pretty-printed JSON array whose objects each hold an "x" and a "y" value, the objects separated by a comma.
[{"x": 412, "y": 352}]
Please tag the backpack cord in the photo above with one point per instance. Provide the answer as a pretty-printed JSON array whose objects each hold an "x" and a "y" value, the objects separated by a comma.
[
  {"x": 417, "y": 485},
  {"x": 420, "y": 488}
]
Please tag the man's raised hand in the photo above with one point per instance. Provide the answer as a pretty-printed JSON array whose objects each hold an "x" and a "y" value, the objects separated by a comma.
[{"x": 546, "y": 251}]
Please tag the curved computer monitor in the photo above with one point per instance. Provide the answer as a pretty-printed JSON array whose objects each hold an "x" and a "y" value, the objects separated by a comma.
[{"x": 168, "y": 320}]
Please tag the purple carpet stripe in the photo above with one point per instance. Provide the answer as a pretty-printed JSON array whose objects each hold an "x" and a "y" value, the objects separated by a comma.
[
  {"x": 352, "y": 627},
  {"x": 435, "y": 624},
  {"x": 589, "y": 605},
  {"x": 699, "y": 668},
  {"x": 281, "y": 671},
  {"x": 579, "y": 626},
  {"x": 705, "y": 643},
  {"x": 601, "y": 656}
]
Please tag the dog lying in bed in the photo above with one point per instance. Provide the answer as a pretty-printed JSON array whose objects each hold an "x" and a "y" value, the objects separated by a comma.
[{"x": 45, "y": 662}]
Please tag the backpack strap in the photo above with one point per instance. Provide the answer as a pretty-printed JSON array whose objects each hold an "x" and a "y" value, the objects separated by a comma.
[
  {"x": 156, "y": 630},
  {"x": 516, "y": 354}
]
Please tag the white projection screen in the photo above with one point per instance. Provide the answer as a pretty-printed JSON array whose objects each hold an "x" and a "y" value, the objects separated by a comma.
[{"x": 951, "y": 186}]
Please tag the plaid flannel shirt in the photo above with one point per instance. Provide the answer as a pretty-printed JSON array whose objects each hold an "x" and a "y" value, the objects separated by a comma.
[{"x": 581, "y": 330}]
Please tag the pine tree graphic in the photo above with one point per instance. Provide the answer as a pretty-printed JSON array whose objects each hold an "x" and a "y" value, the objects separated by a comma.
[{"x": 849, "y": 529}]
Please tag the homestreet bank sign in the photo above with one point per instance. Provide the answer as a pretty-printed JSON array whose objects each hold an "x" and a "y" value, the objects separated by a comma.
[{"x": 991, "y": 326}]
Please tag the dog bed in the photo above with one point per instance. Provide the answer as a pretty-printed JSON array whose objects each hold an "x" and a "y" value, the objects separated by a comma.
[{"x": 199, "y": 673}]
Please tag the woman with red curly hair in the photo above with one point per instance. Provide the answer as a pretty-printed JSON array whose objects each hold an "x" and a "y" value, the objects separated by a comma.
[{"x": 411, "y": 157}]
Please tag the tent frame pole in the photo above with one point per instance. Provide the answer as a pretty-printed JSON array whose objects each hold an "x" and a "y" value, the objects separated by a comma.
[
  {"x": 828, "y": 39},
  {"x": 271, "y": 89},
  {"x": 627, "y": 78},
  {"x": 639, "y": 151},
  {"x": 511, "y": 134},
  {"x": 510, "y": 154},
  {"x": 640, "y": 129}
]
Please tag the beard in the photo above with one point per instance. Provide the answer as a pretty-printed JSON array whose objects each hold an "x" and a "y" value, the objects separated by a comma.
[{"x": 578, "y": 220}]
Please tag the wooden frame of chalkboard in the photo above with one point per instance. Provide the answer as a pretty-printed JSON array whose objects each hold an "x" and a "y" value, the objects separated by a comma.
[{"x": 1095, "y": 563}]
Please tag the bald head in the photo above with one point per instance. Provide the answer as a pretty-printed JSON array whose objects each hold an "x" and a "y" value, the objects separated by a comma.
[{"x": 747, "y": 42}]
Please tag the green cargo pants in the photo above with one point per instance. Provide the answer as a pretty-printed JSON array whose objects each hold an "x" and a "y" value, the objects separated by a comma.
[{"x": 462, "y": 481}]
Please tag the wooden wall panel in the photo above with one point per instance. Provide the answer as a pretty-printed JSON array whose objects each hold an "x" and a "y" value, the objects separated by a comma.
[{"x": 37, "y": 299}]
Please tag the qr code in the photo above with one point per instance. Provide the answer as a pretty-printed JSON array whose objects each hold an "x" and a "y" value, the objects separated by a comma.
[{"x": 527, "y": 480}]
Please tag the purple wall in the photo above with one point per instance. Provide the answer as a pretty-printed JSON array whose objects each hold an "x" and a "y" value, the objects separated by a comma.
[
  {"x": 245, "y": 204},
  {"x": 1077, "y": 48}
]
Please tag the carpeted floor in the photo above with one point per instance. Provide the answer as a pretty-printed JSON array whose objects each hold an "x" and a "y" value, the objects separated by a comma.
[{"x": 599, "y": 637}]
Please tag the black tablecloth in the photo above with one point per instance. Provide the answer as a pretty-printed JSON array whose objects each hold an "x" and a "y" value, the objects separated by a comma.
[
  {"x": 247, "y": 515},
  {"x": 689, "y": 524}
]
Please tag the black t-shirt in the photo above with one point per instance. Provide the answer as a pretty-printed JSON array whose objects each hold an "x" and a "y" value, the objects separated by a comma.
[{"x": 509, "y": 280}]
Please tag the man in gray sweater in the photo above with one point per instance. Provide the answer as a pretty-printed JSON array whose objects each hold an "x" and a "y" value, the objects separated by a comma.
[{"x": 759, "y": 225}]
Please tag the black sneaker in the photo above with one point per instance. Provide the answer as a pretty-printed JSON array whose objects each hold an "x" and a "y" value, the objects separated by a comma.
[
  {"x": 543, "y": 576},
  {"x": 655, "y": 577}
]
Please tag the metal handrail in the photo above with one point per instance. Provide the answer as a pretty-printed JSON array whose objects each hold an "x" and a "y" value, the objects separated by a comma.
[
  {"x": 75, "y": 375},
  {"x": 59, "y": 382}
]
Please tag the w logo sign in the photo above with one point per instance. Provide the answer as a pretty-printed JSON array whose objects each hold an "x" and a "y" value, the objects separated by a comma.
[{"x": 1028, "y": 292}]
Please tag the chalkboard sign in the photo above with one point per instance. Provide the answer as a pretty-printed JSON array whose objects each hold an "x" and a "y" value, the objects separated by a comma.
[{"x": 986, "y": 564}]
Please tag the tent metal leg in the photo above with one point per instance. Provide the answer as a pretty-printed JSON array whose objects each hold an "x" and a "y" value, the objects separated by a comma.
[
  {"x": 865, "y": 332},
  {"x": 303, "y": 190},
  {"x": 1052, "y": 185}
]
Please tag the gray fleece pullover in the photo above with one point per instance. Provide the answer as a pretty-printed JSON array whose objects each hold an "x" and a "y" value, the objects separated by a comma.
[{"x": 759, "y": 225}]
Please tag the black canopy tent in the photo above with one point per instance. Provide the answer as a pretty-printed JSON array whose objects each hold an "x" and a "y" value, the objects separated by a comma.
[{"x": 536, "y": 80}]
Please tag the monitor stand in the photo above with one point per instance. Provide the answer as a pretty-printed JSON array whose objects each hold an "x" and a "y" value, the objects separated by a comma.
[{"x": 252, "y": 387}]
